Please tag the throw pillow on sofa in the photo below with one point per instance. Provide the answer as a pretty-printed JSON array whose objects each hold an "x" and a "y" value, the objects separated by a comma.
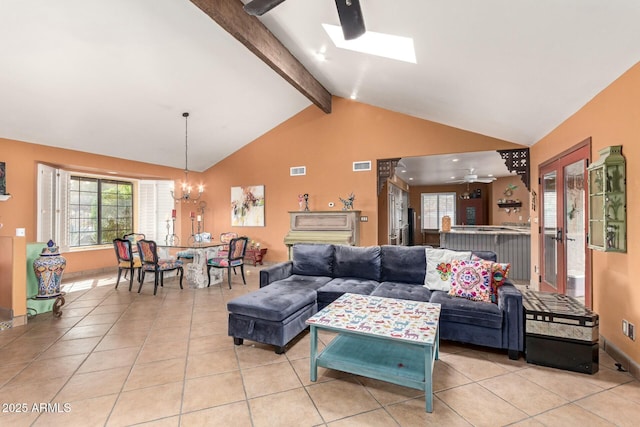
[
  {"x": 471, "y": 280},
  {"x": 438, "y": 274},
  {"x": 499, "y": 273}
]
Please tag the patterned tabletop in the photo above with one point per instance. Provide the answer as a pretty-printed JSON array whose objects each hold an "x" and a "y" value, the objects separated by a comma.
[{"x": 411, "y": 321}]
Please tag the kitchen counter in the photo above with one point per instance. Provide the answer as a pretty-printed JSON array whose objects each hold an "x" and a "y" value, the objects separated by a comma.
[
  {"x": 488, "y": 229},
  {"x": 512, "y": 244}
]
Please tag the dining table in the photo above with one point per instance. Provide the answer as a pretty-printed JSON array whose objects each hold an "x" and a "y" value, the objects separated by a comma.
[{"x": 196, "y": 271}]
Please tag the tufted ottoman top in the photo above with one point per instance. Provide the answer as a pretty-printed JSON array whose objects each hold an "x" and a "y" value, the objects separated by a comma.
[{"x": 272, "y": 302}]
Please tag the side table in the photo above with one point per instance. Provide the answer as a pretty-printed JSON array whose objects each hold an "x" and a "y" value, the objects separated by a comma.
[
  {"x": 255, "y": 255},
  {"x": 560, "y": 332}
]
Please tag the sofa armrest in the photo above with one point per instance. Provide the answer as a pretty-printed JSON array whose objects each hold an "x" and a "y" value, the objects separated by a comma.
[
  {"x": 275, "y": 272},
  {"x": 510, "y": 302}
]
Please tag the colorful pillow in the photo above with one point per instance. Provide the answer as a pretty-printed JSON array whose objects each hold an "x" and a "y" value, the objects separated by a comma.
[
  {"x": 438, "y": 273},
  {"x": 471, "y": 280},
  {"x": 499, "y": 273}
]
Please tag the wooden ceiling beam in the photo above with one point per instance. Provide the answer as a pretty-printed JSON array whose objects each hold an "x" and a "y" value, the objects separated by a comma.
[{"x": 249, "y": 31}]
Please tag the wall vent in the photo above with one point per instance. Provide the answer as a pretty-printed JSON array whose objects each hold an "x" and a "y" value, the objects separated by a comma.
[
  {"x": 362, "y": 166},
  {"x": 298, "y": 171}
]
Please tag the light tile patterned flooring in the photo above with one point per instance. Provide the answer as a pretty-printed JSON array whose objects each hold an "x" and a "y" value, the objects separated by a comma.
[{"x": 120, "y": 358}]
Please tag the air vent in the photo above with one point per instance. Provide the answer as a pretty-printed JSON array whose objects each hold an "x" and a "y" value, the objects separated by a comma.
[
  {"x": 298, "y": 171},
  {"x": 362, "y": 166}
]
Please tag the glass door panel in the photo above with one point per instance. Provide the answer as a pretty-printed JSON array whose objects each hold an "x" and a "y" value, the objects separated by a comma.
[
  {"x": 564, "y": 264},
  {"x": 575, "y": 220},
  {"x": 550, "y": 230}
]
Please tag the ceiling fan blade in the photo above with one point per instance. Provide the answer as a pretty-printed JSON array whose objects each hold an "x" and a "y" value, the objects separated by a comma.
[
  {"x": 260, "y": 7},
  {"x": 351, "y": 18},
  {"x": 485, "y": 180}
]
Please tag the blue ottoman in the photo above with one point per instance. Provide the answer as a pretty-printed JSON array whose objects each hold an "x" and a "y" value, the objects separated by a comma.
[{"x": 271, "y": 315}]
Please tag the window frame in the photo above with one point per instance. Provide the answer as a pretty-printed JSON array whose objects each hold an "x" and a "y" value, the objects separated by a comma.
[
  {"x": 152, "y": 204},
  {"x": 100, "y": 206},
  {"x": 439, "y": 213}
]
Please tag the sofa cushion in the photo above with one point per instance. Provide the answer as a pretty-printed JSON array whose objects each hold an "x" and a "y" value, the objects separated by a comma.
[
  {"x": 399, "y": 290},
  {"x": 300, "y": 281},
  {"x": 438, "y": 271},
  {"x": 403, "y": 264},
  {"x": 273, "y": 302},
  {"x": 465, "y": 311},
  {"x": 486, "y": 255},
  {"x": 341, "y": 285},
  {"x": 357, "y": 261},
  {"x": 471, "y": 279},
  {"x": 313, "y": 259}
]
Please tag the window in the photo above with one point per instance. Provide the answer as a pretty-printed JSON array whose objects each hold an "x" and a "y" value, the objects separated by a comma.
[
  {"x": 435, "y": 206},
  {"x": 82, "y": 211},
  {"x": 100, "y": 210},
  {"x": 154, "y": 209}
]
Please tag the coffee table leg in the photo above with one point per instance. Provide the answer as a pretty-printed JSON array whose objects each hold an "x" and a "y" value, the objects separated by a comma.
[
  {"x": 314, "y": 352},
  {"x": 428, "y": 376}
]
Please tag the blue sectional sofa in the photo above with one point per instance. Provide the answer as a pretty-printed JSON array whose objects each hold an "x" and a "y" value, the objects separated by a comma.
[{"x": 292, "y": 291}]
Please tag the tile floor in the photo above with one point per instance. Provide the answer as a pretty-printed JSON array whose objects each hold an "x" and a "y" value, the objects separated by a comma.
[{"x": 119, "y": 358}]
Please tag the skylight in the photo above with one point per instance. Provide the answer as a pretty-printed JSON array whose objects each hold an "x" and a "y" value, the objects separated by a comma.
[{"x": 372, "y": 43}]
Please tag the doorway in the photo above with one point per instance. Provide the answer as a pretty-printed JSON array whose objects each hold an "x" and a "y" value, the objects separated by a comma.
[{"x": 565, "y": 258}]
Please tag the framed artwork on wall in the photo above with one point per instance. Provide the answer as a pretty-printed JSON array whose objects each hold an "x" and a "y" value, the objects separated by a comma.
[{"x": 247, "y": 206}]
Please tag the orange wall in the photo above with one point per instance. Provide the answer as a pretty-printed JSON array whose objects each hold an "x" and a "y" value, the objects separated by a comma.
[
  {"x": 20, "y": 211},
  {"x": 499, "y": 215},
  {"x": 610, "y": 118},
  {"x": 328, "y": 144}
]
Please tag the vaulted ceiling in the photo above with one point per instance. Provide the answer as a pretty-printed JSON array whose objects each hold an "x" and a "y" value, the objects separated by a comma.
[{"x": 114, "y": 77}]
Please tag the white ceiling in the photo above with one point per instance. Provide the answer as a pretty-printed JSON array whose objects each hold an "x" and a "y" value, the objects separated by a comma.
[
  {"x": 441, "y": 169},
  {"x": 113, "y": 77}
]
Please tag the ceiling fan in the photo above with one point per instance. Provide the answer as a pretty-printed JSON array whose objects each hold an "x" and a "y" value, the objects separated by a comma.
[
  {"x": 349, "y": 11},
  {"x": 471, "y": 177}
]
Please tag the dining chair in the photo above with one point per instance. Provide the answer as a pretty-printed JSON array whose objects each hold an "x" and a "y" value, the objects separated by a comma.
[
  {"x": 134, "y": 238},
  {"x": 225, "y": 239},
  {"x": 126, "y": 260},
  {"x": 234, "y": 258},
  {"x": 148, "y": 251}
]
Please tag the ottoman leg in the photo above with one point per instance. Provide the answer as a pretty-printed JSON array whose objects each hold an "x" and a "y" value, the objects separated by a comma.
[
  {"x": 280, "y": 350},
  {"x": 514, "y": 354},
  {"x": 237, "y": 341}
]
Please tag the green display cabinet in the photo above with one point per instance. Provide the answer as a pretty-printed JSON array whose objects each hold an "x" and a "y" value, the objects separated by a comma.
[{"x": 608, "y": 201}]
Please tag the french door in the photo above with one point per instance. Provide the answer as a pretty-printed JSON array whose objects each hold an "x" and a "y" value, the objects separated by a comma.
[{"x": 564, "y": 256}]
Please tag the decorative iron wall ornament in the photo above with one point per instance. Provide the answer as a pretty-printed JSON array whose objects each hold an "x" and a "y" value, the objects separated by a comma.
[
  {"x": 517, "y": 160},
  {"x": 386, "y": 169}
]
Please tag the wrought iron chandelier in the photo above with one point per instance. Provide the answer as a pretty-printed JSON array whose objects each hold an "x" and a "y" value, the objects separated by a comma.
[{"x": 186, "y": 185}]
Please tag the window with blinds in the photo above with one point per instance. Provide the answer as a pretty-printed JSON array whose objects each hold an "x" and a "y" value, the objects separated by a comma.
[
  {"x": 154, "y": 212},
  {"x": 435, "y": 206},
  {"x": 91, "y": 210}
]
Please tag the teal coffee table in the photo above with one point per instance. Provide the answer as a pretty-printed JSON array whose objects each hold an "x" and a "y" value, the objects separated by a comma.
[{"x": 387, "y": 339}]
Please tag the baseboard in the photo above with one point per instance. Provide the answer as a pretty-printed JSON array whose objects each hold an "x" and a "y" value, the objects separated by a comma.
[
  {"x": 19, "y": 321},
  {"x": 619, "y": 356},
  {"x": 89, "y": 273}
]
